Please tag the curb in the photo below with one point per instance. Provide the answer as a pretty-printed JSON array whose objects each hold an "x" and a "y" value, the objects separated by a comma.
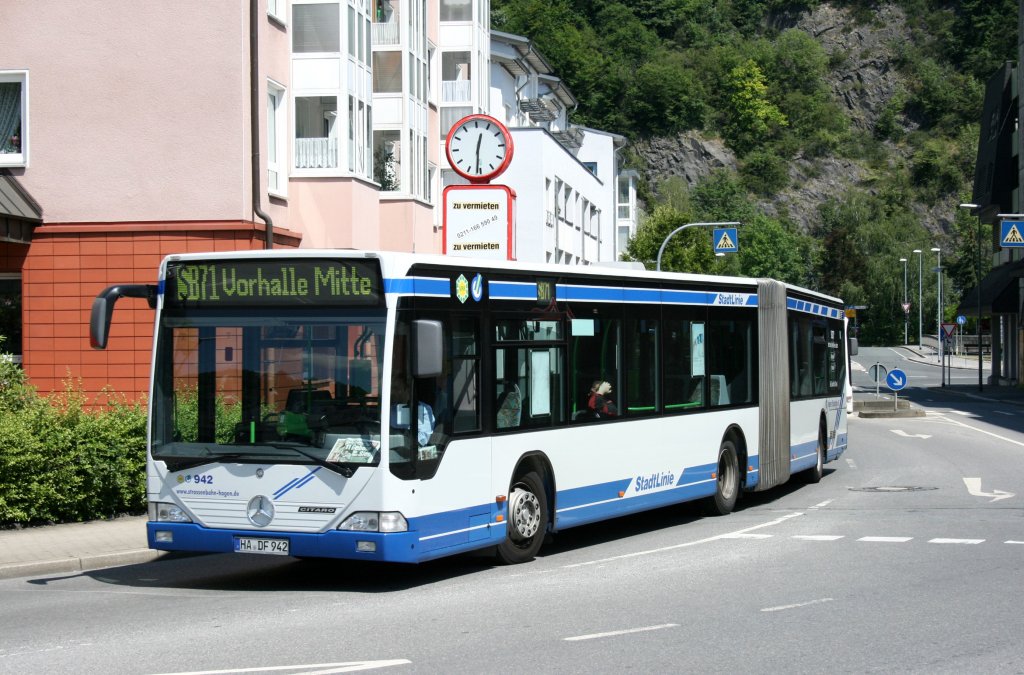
[{"x": 84, "y": 564}]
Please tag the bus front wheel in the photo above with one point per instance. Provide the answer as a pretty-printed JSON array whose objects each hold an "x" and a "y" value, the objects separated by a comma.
[
  {"x": 727, "y": 484},
  {"x": 527, "y": 520}
]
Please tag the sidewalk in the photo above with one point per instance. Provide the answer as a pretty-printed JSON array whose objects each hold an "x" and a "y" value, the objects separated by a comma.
[{"x": 74, "y": 547}]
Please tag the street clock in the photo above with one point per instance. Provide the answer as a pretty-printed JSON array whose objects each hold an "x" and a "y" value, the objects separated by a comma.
[{"x": 479, "y": 148}]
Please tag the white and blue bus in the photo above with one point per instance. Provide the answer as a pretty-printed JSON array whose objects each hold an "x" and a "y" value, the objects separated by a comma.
[{"x": 399, "y": 407}]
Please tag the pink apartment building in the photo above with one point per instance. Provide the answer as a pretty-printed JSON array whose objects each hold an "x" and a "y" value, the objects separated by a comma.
[{"x": 126, "y": 134}]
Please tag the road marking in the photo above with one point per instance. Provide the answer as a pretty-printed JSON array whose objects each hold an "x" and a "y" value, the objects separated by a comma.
[
  {"x": 974, "y": 488},
  {"x": 1004, "y": 412},
  {"x": 818, "y": 537},
  {"x": 823, "y": 504},
  {"x": 904, "y": 434},
  {"x": 852, "y": 464},
  {"x": 696, "y": 542},
  {"x": 988, "y": 433},
  {"x": 1011, "y": 541},
  {"x": 890, "y": 540},
  {"x": 955, "y": 541},
  {"x": 960, "y": 412},
  {"x": 348, "y": 667},
  {"x": 747, "y": 535},
  {"x": 796, "y": 605},
  {"x": 613, "y": 633}
]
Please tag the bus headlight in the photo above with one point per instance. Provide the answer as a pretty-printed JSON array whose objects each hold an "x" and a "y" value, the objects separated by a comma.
[
  {"x": 374, "y": 521},
  {"x": 162, "y": 512}
]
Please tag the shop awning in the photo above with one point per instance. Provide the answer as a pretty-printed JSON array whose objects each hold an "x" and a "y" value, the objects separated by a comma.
[
  {"x": 19, "y": 213},
  {"x": 1000, "y": 292}
]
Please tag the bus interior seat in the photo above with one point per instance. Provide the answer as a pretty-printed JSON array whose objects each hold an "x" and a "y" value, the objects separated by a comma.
[{"x": 510, "y": 408}]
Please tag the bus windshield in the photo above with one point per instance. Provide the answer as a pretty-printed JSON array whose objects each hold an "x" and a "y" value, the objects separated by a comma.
[{"x": 291, "y": 387}]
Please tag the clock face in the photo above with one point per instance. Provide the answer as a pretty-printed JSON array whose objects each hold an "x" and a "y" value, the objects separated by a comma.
[{"x": 479, "y": 147}]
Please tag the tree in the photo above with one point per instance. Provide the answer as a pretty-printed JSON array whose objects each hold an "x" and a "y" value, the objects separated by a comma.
[
  {"x": 752, "y": 118},
  {"x": 665, "y": 97}
]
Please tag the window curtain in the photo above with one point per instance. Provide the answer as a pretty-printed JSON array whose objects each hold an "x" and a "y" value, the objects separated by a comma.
[{"x": 10, "y": 116}]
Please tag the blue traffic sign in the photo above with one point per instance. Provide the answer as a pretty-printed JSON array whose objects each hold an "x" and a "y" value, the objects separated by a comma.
[
  {"x": 896, "y": 379},
  {"x": 1011, "y": 234},
  {"x": 726, "y": 240},
  {"x": 961, "y": 319}
]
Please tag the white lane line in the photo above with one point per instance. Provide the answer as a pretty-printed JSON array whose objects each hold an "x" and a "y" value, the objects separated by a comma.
[
  {"x": 348, "y": 667},
  {"x": 796, "y": 605},
  {"x": 955, "y": 541},
  {"x": 987, "y": 433},
  {"x": 817, "y": 537},
  {"x": 960, "y": 412},
  {"x": 1003, "y": 412},
  {"x": 851, "y": 463},
  {"x": 886, "y": 540},
  {"x": 823, "y": 504},
  {"x": 747, "y": 535},
  {"x": 685, "y": 544},
  {"x": 1011, "y": 541},
  {"x": 613, "y": 633}
]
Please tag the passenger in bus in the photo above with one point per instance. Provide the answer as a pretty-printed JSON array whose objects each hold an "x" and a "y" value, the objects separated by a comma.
[
  {"x": 598, "y": 401},
  {"x": 400, "y": 412}
]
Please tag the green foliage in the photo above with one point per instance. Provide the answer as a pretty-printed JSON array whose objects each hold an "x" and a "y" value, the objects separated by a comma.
[
  {"x": 665, "y": 97},
  {"x": 752, "y": 119},
  {"x": 60, "y": 461},
  {"x": 764, "y": 173},
  {"x": 227, "y": 415}
]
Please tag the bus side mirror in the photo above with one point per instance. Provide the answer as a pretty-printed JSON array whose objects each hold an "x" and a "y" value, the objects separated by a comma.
[
  {"x": 428, "y": 348},
  {"x": 853, "y": 346},
  {"x": 103, "y": 309}
]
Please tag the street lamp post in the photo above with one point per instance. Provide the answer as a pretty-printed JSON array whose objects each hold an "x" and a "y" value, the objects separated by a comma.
[
  {"x": 680, "y": 229},
  {"x": 906, "y": 310},
  {"x": 977, "y": 289},
  {"x": 938, "y": 308},
  {"x": 920, "y": 272}
]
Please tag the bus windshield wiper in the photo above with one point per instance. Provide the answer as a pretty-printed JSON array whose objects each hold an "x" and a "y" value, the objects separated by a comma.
[{"x": 344, "y": 469}]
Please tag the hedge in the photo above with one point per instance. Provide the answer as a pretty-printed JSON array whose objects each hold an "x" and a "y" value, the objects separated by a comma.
[{"x": 62, "y": 460}]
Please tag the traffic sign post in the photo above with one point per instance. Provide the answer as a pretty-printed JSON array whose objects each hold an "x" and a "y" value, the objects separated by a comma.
[
  {"x": 877, "y": 373},
  {"x": 896, "y": 380}
]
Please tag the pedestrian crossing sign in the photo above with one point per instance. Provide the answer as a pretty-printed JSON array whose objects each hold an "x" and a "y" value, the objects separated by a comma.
[
  {"x": 726, "y": 240},
  {"x": 1012, "y": 234}
]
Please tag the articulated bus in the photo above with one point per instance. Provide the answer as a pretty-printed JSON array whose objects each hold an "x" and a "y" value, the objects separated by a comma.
[{"x": 401, "y": 407}]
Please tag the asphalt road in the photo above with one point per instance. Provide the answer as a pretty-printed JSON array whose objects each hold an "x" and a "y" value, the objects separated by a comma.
[{"x": 906, "y": 557}]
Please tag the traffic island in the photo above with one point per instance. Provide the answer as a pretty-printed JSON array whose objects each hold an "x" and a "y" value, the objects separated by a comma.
[{"x": 886, "y": 408}]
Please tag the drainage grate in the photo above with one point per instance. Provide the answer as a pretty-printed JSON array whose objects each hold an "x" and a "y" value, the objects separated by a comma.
[{"x": 893, "y": 488}]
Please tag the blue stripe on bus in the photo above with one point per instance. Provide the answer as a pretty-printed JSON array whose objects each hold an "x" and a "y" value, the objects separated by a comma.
[
  {"x": 418, "y": 286},
  {"x": 504, "y": 290},
  {"x": 295, "y": 483},
  {"x": 813, "y": 308}
]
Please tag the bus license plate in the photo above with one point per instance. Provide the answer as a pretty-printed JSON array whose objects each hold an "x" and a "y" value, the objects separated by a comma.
[{"x": 258, "y": 545}]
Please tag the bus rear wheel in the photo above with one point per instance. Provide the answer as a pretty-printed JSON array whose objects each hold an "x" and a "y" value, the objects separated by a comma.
[
  {"x": 815, "y": 473},
  {"x": 727, "y": 484},
  {"x": 527, "y": 520}
]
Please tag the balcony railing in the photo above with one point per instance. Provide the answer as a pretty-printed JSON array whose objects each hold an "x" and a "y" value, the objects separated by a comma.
[
  {"x": 384, "y": 33},
  {"x": 456, "y": 91},
  {"x": 316, "y": 153}
]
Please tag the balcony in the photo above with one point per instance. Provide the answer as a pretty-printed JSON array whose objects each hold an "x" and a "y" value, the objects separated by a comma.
[
  {"x": 456, "y": 91},
  {"x": 316, "y": 153},
  {"x": 384, "y": 34},
  {"x": 539, "y": 109}
]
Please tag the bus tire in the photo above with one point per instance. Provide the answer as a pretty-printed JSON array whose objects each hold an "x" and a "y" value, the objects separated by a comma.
[
  {"x": 527, "y": 520},
  {"x": 815, "y": 473},
  {"x": 727, "y": 483}
]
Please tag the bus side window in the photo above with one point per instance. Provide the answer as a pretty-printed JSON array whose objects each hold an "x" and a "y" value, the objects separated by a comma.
[{"x": 465, "y": 375}]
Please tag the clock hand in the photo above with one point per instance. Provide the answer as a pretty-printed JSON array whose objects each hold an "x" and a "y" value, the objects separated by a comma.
[{"x": 479, "y": 139}]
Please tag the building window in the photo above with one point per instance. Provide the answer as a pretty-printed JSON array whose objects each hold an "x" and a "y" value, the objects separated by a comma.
[
  {"x": 13, "y": 118},
  {"x": 10, "y": 315},
  {"x": 277, "y": 129},
  {"x": 456, "y": 10},
  {"x": 387, "y": 72},
  {"x": 456, "y": 85},
  {"x": 276, "y": 10},
  {"x": 316, "y": 136},
  {"x": 316, "y": 28},
  {"x": 449, "y": 116},
  {"x": 387, "y": 160}
]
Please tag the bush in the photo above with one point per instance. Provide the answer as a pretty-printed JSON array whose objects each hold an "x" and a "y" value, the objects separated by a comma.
[{"x": 61, "y": 461}]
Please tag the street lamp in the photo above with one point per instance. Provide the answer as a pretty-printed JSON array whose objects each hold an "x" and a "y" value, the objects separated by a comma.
[
  {"x": 938, "y": 308},
  {"x": 680, "y": 229},
  {"x": 977, "y": 289},
  {"x": 920, "y": 272},
  {"x": 906, "y": 309}
]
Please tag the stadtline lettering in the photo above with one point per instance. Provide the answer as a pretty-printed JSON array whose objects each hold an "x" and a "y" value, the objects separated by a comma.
[{"x": 655, "y": 480}]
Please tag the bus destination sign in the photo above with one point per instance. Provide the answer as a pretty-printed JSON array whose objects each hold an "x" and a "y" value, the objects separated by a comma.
[{"x": 248, "y": 283}]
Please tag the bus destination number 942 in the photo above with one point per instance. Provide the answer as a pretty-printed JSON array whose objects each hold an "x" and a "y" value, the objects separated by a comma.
[{"x": 260, "y": 545}]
